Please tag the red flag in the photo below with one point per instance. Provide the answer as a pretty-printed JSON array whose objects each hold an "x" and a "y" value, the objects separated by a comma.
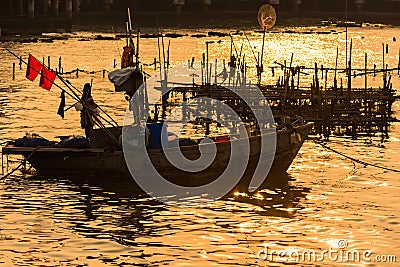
[
  {"x": 47, "y": 78},
  {"x": 34, "y": 68}
]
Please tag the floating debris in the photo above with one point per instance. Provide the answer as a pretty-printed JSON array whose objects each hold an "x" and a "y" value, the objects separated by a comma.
[
  {"x": 199, "y": 35},
  {"x": 105, "y": 38},
  {"x": 149, "y": 35},
  {"x": 174, "y": 35},
  {"x": 218, "y": 34}
]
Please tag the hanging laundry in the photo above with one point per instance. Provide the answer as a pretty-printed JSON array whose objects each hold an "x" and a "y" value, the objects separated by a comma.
[
  {"x": 34, "y": 68},
  {"x": 47, "y": 78},
  {"x": 62, "y": 105}
]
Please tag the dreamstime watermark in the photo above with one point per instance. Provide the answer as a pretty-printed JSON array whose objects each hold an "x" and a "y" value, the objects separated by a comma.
[
  {"x": 148, "y": 167},
  {"x": 338, "y": 253}
]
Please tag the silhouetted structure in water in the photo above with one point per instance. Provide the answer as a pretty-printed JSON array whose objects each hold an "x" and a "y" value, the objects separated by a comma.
[{"x": 338, "y": 109}]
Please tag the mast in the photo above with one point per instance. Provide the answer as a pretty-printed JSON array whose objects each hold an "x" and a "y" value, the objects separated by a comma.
[{"x": 137, "y": 50}]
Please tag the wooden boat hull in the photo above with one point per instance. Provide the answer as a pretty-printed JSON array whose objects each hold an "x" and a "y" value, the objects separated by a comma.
[{"x": 102, "y": 164}]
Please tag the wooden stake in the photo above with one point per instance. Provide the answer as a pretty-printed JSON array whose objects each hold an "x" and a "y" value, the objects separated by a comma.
[
  {"x": 159, "y": 53},
  {"x": 163, "y": 50},
  {"x": 326, "y": 78},
  {"x": 209, "y": 74},
  {"x": 216, "y": 74},
  {"x": 398, "y": 65},
  {"x": 365, "y": 69},
  {"x": 262, "y": 49},
  {"x": 59, "y": 65},
  {"x": 206, "y": 62},
  {"x": 383, "y": 56},
  {"x": 169, "y": 44},
  {"x": 316, "y": 76},
  {"x": 137, "y": 47},
  {"x": 322, "y": 71},
  {"x": 349, "y": 70},
  {"x": 298, "y": 79},
  {"x": 13, "y": 71},
  {"x": 336, "y": 65}
]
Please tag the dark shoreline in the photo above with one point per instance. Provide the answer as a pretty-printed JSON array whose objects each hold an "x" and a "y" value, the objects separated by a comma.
[
  {"x": 229, "y": 19},
  {"x": 171, "y": 20}
]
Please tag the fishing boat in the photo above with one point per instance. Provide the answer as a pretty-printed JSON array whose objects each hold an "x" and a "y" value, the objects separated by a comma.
[
  {"x": 102, "y": 153},
  {"x": 103, "y": 162}
]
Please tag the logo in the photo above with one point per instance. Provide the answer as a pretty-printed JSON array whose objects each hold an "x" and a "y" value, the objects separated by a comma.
[{"x": 180, "y": 101}]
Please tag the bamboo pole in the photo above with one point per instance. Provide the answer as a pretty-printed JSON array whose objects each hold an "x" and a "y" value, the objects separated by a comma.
[
  {"x": 326, "y": 79},
  {"x": 336, "y": 66},
  {"x": 206, "y": 62},
  {"x": 169, "y": 44},
  {"x": 262, "y": 49},
  {"x": 349, "y": 71},
  {"x": 163, "y": 50},
  {"x": 365, "y": 77},
  {"x": 298, "y": 79},
  {"x": 137, "y": 49},
  {"x": 398, "y": 65},
  {"x": 159, "y": 54},
  {"x": 383, "y": 56},
  {"x": 216, "y": 70}
]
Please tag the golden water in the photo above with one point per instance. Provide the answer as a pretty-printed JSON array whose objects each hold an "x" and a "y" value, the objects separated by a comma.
[{"x": 56, "y": 222}]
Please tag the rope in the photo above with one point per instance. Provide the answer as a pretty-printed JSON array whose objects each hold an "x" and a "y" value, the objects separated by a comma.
[
  {"x": 5, "y": 142},
  {"x": 96, "y": 71},
  {"x": 356, "y": 160},
  {"x": 21, "y": 164}
]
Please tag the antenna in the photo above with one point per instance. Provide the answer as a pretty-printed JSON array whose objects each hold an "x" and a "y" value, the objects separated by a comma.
[
  {"x": 129, "y": 20},
  {"x": 127, "y": 33}
]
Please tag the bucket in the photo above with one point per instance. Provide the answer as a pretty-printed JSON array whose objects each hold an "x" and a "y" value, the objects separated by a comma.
[{"x": 158, "y": 134}]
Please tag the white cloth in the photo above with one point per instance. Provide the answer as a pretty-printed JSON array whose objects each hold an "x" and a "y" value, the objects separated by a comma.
[{"x": 118, "y": 77}]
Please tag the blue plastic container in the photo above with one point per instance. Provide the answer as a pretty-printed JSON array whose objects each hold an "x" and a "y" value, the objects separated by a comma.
[{"x": 157, "y": 135}]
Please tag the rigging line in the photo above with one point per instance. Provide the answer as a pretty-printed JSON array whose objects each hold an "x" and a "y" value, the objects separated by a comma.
[
  {"x": 254, "y": 53},
  {"x": 119, "y": 52},
  {"x": 101, "y": 125},
  {"x": 356, "y": 160},
  {"x": 59, "y": 87},
  {"x": 72, "y": 94},
  {"x": 234, "y": 46},
  {"x": 104, "y": 128},
  {"x": 22, "y": 163},
  {"x": 68, "y": 84},
  {"x": 5, "y": 142}
]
